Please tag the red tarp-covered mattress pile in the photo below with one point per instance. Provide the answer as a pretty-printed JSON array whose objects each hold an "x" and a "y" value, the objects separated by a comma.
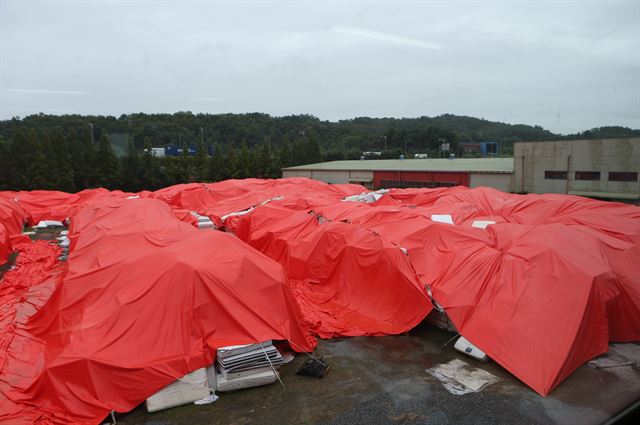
[
  {"x": 145, "y": 299},
  {"x": 541, "y": 283}
]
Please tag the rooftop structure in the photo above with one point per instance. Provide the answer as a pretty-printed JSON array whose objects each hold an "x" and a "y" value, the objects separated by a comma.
[{"x": 434, "y": 172}]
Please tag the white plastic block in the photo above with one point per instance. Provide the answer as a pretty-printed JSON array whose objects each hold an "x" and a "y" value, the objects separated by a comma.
[
  {"x": 253, "y": 380},
  {"x": 463, "y": 345}
]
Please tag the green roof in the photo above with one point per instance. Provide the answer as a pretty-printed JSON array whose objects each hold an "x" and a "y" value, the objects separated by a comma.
[{"x": 481, "y": 165}]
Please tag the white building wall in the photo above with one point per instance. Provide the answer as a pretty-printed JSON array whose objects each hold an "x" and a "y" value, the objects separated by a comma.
[
  {"x": 296, "y": 173},
  {"x": 532, "y": 159},
  {"x": 332, "y": 176}
]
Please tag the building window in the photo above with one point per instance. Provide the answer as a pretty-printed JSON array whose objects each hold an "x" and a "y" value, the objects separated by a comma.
[
  {"x": 587, "y": 175},
  {"x": 555, "y": 175},
  {"x": 623, "y": 176},
  {"x": 403, "y": 184}
]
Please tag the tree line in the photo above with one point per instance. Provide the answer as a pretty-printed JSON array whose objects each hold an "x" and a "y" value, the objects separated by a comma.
[
  {"x": 74, "y": 152},
  {"x": 71, "y": 161}
]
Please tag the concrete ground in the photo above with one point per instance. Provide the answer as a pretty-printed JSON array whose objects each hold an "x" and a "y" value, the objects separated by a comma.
[{"x": 382, "y": 380}]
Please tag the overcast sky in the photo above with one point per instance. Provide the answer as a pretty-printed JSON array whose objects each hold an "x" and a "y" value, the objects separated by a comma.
[{"x": 567, "y": 66}]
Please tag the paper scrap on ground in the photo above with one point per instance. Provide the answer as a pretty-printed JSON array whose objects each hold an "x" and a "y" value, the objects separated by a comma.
[{"x": 459, "y": 378}]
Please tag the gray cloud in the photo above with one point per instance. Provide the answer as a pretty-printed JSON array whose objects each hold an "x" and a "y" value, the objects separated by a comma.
[
  {"x": 566, "y": 66},
  {"x": 385, "y": 38},
  {"x": 46, "y": 91}
]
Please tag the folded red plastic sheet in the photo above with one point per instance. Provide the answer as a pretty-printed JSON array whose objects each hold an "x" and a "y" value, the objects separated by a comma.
[
  {"x": 12, "y": 215},
  {"x": 12, "y": 219},
  {"x": 23, "y": 292},
  {"x": 145, "y": 299},
  {"x": 5, "y": 245}
]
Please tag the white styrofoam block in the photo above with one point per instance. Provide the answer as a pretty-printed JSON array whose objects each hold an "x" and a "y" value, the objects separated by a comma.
[
  {"x": 253, "y": 380},
  {"x": 191, "y": 387},
  {"x": 482, "y": 224},
  {"x": 48, "y": 223},
  {"x": 442, "y": 218},
  {"x": 463, "y": 345}
]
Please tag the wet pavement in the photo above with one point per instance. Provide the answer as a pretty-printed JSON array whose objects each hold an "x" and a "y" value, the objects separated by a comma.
[{"x": 382, "y": 380}]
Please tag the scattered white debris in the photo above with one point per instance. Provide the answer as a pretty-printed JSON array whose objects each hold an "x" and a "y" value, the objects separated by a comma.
[
  {"x": 247, "y": 211},
  {"x": 133, "y": 197},
  {"x": 207, "y": 400},
  {"x": 482, "y": 224},
  {"x": 459, "y": 378},
  {"x": 367, "y": 197},
  {"x": 442, "y": 218},
  {"x": 465, "y": 346},
  {"x": 64, "y": 241}
]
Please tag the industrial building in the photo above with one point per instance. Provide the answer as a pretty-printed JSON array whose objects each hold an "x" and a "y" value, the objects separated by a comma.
[
  {"x": 384, "y": 173},
  {"x": 598, "y": 168}
]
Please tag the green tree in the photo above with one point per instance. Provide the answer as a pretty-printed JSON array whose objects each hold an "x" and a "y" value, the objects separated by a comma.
[
  {"x": 150, "y": 171},
  {"x": 58, "y": 159},
  {"x": 201, "y": 169},
  {"x": 131, "y": 169},
  {"x": 106, "y": 166}
]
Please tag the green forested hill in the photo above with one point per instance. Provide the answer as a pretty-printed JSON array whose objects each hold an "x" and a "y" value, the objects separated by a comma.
[{"x": 246, "y": 145}]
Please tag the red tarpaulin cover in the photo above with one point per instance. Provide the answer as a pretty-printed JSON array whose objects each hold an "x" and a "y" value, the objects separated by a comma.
[
  {"x": 145, "y": 299},
  {"x": 541, "y": 283}
]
